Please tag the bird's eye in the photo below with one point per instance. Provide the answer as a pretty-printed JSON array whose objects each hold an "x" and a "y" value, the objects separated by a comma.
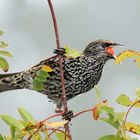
[{"x": 104, "y": 45}]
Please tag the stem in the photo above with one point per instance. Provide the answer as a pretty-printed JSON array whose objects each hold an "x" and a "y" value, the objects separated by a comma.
[
  {"x": 64, "y": 98},
  {"x": 126, "y": 116},
  {"x": 84, "y": 111},
  {"x": 55, "y": 130},
  {"x": 50, "y": 117}
]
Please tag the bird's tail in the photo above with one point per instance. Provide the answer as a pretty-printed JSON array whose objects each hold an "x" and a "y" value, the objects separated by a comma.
[{"x": 7, "y": 82}]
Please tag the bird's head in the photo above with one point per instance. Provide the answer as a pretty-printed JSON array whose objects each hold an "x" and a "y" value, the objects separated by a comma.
[{"x": 101, "y": 48}]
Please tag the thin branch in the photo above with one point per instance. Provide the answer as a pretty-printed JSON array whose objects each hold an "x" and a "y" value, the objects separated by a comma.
[
  {"x": 64, "y": 98},
  {"x": 127, "y": 113},
  {"x": 50, "y": 117},
  {"x": 82, "y": 112},
  {"x": 54, "y": 130}
]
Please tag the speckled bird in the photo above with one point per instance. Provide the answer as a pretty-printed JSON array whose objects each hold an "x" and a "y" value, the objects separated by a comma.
[{"x": 81, "y": 74}]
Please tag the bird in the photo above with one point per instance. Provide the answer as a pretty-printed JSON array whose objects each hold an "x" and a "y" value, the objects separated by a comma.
[{"x": 81, "y": 73}]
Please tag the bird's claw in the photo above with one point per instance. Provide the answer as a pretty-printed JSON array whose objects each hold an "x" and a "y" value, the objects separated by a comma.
[
  {"x": 68, "y": 115},
  {"x": 60, "y": 51}
]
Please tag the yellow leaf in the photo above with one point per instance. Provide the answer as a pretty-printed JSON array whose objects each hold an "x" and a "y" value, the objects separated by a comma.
[
  {"x": 47, "y": 68},
  {"x": 137, "y": 61},
  {"x": 55, "y": 124},
  {"x": 127, "y": 54},
  {"x": 125, "y": 101},
  {"x": 132, "y": 127},
  {"x": 97, "y": 109}
]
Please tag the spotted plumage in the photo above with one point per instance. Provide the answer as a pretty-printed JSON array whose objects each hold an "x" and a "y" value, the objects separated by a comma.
[{"x": 81, "y": 74}]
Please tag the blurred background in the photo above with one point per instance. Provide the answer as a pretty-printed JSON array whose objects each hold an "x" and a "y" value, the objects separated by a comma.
[{"x": 29, "y": 32}]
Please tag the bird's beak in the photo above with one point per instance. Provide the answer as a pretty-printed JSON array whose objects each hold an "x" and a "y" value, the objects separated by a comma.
[
  {"x": 110, "y": 49},
  {"x": 116, "y": 45}
]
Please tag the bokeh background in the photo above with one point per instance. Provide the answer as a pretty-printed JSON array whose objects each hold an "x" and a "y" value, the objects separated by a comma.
[{"x": 29, "y": 32}]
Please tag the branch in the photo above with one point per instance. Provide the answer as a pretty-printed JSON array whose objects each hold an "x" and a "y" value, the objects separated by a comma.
[
  {"x": 82, "y": 112},
  {"x": 64, "y": 98},
  {"x": 125, "y": 119}
]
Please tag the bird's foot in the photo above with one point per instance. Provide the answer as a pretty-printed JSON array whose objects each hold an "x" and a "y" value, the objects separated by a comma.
[
  {"x": 60, "y": 51},
  {"x": 58, "y": 110},
  {"x": 68, "y": 115}
]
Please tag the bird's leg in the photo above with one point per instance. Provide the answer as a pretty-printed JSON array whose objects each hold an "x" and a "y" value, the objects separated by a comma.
[
  {"x": 60, "y": 51},
  {"x": 58, "y": 108},
  {"x": 68, "y": 115}
]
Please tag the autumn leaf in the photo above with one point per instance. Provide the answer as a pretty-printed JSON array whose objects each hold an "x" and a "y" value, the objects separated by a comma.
[
  {"x": 101, "y": 107},
  {"x": 132, "y": 127},
  {"x": 125, "y": 101},
  {"x": 55, "y": 124},
  {"x": 95, "y": 112},
  {"x": 46, "y": 68},
  {"x": 128, "y": 54}
]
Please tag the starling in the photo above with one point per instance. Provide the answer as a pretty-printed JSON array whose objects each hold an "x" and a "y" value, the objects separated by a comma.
[{"x": 81, "y": 74}]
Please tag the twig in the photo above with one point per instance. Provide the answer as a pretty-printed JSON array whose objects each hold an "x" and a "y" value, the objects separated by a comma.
[
  {"x": 53, "y": 131},
  {"x": 50, "y": 117},
  {"x": 128, "y": 113},
  {"x": 64, "y": 98},
  {"x": 36, "y": 131},
  {"x": 84, "y": 111}
]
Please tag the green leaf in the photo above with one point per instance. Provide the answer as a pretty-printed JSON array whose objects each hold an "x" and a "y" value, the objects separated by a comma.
[
  {"x": 8, "y": 138},
  {"x": 41, "y": 79},
  {"x": 26, "y": 116},
  {"x": 67, "y": 49},
  {"x": 4, "y": 64},
  {"x": 107, "y": 109},
  {"x": 37, "y": 137},
  {"x": 71, "y": 52},
  {"x": 119, "y": 116},
  {"x": 123, "y": 100},
  {"x": 3, "y": 44},
  {"x": 1, "y": 32},
  {"x": 5, "y": 53},
  {"x": 1, "y": 137},
  {"x": 37, "y": 85},
  {"x": 138, "y": 92},
  {"x": 115, "y": 124},
  {"x": 60, "y": 136},
  {"x": 24, "y": 123},
  {"x": 97, "y": 92},
  {"x": 12, "y": 122},
  {"x": 13, "y": 130},
  {"x": 19, "y": 136},
  {"x": 46, "y": 138},
  {"x": 108, "y": 137},
  {"x": 42, "y": 73}
]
